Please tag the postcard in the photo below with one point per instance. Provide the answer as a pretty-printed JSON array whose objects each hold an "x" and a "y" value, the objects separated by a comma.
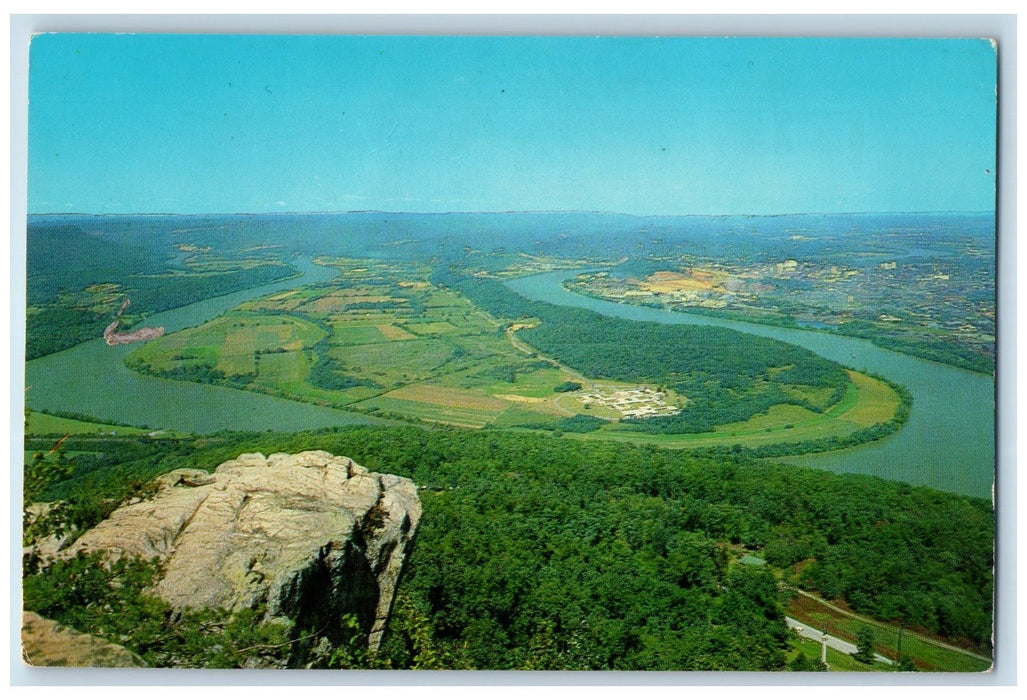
[{"x": 510, "y": 352}]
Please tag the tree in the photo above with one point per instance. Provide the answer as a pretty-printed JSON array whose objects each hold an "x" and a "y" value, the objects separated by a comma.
[
  {"x": 864, "y": 645},
  {"x": 906, "y": 663},
  {"x": 804, "y": 663},
  {"x": 43, "y": 471}
]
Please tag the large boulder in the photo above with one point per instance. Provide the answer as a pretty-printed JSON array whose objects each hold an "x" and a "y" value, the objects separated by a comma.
[{"x": 311, "y": 537}]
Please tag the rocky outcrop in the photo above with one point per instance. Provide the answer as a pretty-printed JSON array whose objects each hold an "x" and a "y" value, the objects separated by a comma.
[
  {"x": 46, "y": 643},
  {"x": 311, "y": 537}
]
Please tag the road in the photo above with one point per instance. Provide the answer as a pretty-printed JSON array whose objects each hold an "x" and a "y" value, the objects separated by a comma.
[
  {"x": 833, "y": 642},
  {"x": 854, "y": 616},
  {"x": 528, "y": 350}
]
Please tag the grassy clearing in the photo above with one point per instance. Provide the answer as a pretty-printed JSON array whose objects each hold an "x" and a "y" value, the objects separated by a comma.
[
  {"x": 877, "y": 401},
  {"x": 351, "y": 334},
  {"x": 848, "y": 402},
  {"x": 450, "y": 415},
  {"x": 520, "y": 414},
  {"x": 775, "y": 418},
  {"x": 817, "y": 396},
  {"x": 444, "y": 298},
  {"x": 391, "y": 332},
  {"x": 44, "y": 424},
  {"x": 340, "y": 301},
  {"x": 573, "y": 403},
  {"x": 449, "y": 397},
  {"x": 284, "y": 301},
  {"x": 396, "y": 362},
  {"x": 926, "y": 654},
  {"x": 283, "y": 369},
  {"x": 362, "y": 317},
  {"x": 430, "y": 328},
  {"x": 836, "y": 660},
  {"x": 537, "y": 383},
  {"x": 534, "y": 409},
  {"x": 203, "y": 353}
]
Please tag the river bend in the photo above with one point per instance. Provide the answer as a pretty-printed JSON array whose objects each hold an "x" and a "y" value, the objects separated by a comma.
[
  {"x": 948, "y": 443},
  {"x": 91, "y": 378}
]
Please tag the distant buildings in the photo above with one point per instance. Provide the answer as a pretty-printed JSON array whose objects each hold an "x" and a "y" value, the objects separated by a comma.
[{"x": 637, "y": 402}]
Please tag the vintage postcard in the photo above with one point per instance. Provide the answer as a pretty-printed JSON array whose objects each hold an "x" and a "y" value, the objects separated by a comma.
[{"x": 510, "y": 353}]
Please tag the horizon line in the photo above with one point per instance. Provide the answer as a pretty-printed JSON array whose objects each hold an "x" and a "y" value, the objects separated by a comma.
[{"x": 509, "y": 211}]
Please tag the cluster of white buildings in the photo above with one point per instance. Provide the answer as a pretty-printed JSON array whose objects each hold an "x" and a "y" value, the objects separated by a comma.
[{"x": 637, "y": 402}]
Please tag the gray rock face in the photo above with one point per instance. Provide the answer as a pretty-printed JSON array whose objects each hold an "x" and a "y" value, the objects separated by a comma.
[{"x": 311, "y": 536}]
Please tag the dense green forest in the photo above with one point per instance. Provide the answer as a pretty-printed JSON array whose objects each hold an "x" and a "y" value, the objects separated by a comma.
[
  {"x": 66, "y": 257},
  {"x": 541, "y": 552},
  {"x": 727, "y": 376},
  {"x": 64, "y": 260}
]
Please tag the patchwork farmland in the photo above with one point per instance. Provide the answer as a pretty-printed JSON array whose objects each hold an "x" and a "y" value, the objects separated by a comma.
[{"x": 381, "y": 339}]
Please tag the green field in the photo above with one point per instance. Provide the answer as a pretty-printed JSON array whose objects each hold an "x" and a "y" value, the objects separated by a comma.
[
  {"x": 461, "y": 416},
  {"x": 381, "y": 339},
  {"x": 430, "y": 328},
  {"x": 517, "y": 415},
  {"x": 354, "y": 334},
  {"x": 230, "y": 343},
  {"x": 284, "y": 369},
  {"x": 876, "y": 403},
  {"x": 37, "y": 423}
]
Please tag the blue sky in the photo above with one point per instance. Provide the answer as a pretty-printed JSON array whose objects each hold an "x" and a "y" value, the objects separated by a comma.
[{"x": 198, "y": 124}]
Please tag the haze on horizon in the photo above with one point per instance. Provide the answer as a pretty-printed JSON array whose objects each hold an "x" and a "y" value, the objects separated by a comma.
[{"x": 199, "y": 124}]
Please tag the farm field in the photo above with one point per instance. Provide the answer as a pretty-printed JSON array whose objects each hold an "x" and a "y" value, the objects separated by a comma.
[
  {"x": 381, "y": 339},
  {"x": 37, "y": 423},
  {"x": 876, "y": 401},
  {"x": 377, "y": 339},
  {"x": 462, "y": 416},
  {"x": 231, "y": 344}
]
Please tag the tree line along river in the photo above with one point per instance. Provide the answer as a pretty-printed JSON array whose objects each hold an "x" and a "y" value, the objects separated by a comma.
[{"x": 948, "y": 442}]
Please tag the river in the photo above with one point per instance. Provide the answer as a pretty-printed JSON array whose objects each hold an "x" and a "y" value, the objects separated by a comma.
[
  {"x": 948, "y": 443},
  {"x": 91, "y": 378}
]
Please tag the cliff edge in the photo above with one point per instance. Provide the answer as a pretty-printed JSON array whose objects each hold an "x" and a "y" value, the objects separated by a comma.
[{"x": 309, "y": 538}]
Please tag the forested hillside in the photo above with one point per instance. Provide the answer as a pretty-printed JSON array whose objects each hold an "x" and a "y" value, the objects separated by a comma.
[
  {"x": 77, "y": 280},
  {"x": 539, "y": 552}
]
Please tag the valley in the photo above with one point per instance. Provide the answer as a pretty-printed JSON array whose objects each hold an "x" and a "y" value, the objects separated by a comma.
[
  {"x": 380, "y": 339},
  {"x": 423, "y": 366}
]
